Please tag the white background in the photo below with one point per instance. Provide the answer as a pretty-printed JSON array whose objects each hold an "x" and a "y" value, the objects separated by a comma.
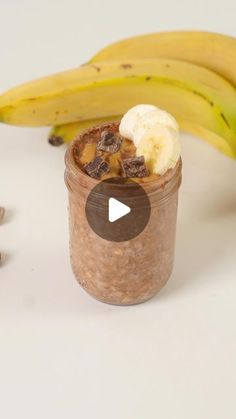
[{"x": 62, "y": 354}]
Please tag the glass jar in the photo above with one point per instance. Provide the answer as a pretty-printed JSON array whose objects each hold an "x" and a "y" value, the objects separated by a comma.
[{"x": 131, "y": 271}]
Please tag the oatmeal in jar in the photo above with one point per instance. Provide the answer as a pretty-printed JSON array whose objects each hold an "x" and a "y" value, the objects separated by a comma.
[{"x": 125, "y": 271}]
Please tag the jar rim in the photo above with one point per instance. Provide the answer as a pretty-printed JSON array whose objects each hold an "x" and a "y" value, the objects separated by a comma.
[{"x": 75, "y": 173}]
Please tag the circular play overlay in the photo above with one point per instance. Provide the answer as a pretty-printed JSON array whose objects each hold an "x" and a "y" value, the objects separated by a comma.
[{"x": 118, "y": 209}]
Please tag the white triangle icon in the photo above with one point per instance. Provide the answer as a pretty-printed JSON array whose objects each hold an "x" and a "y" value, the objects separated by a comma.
[{"x": 117, "y": 210}]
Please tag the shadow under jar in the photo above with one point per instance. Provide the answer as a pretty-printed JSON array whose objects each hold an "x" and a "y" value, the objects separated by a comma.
[{"x": 132, "y": 271}]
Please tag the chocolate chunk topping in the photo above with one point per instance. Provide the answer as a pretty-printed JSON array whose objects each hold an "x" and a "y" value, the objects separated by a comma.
[
  {"x": 97, "y": 167},
  {"x": 109, "y": 142},
  {"x": 134, "y": 167}
]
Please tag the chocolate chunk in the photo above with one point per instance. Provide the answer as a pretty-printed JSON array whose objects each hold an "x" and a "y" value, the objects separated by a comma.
[
  {"x": 109, "y": 142},
  {"x": 134, "y": 167},
  {"x": 97, "y": 167}
]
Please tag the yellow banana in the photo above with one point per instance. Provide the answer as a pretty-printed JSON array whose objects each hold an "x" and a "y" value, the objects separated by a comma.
[
  {"x": 196, "y": 96},
  {"x": 211, "y": 50},
  {"x": 67, "y": 132}
]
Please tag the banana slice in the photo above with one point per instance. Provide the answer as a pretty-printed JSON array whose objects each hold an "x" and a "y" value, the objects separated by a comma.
[
  {"x": 161, "y": 148},
  {"x": 130, "y": 118},
  {"x": 151, "y": 119}
]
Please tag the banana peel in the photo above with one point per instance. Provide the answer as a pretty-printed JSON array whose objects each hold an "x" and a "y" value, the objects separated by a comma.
[
  {"x": 215, "y": 51},
  {"x": 199, "y": 47},
  {"x": 66, "y": 133},
  {"x": 197, "y": 97}
]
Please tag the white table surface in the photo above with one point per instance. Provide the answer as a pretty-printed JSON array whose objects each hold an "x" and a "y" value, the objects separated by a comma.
[{"x": 62, "y": 354}]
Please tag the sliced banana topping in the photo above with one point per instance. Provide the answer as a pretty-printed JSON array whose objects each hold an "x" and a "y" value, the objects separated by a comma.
[
  {"x": 155, "y": 134},
  {"x": 161, "y": 148},
  {"x": 130, "y": 118},
  {"x": 151, "y": 119}
]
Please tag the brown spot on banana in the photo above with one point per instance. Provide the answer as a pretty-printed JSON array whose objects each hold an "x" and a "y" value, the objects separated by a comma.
[
  {"x": 225, "y": 120},
  {"x": 126, "y": 66},
  {"x": 96, "y": 67},
  {"x": 203, "y": 97},
  {"x": 212, "y": 104}
]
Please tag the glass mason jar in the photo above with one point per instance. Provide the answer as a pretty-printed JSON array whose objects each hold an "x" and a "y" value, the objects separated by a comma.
[{"x": 131, "y": 271}]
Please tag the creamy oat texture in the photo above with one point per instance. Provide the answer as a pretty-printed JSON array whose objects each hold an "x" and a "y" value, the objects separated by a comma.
[{"x": 127, "y": 272}]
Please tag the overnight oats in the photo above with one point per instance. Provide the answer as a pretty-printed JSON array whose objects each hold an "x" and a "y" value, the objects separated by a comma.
[{"x": 143, "y": 150}]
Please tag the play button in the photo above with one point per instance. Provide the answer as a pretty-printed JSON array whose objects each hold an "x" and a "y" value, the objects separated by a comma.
[{"x": 117, "y": 209}]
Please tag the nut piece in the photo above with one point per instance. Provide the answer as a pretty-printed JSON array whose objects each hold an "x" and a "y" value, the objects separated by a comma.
[
  {"x": 97, "y": 167},
  {"x": 109, "y": 142},
  {"x": 134, "y": 167},
  {"x": 2, "y": 212}
]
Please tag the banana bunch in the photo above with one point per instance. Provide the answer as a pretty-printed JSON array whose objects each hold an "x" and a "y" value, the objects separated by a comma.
[{"x": 190, "y": 74}]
